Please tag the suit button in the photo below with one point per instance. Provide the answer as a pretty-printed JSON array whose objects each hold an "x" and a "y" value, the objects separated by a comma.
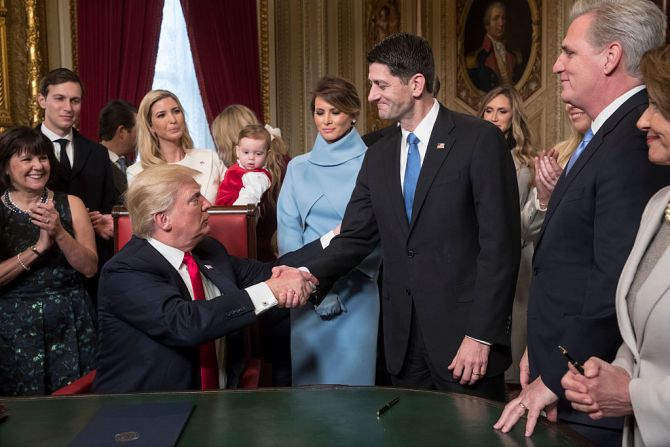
[
  {"x": 411, "y": 253},
  {"x": 535, "y": 271},
  {"x": 408, "y": 292}
]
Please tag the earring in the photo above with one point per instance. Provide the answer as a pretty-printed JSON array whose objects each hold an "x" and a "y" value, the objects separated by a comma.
[{"x": 353, "y": 122}]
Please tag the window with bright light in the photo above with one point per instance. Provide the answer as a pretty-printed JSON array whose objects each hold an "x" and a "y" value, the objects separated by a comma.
[{"x": 175, "y": 72}]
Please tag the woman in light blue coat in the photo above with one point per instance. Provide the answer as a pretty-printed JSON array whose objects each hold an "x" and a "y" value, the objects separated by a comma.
[{"x": 336, "y": 342}]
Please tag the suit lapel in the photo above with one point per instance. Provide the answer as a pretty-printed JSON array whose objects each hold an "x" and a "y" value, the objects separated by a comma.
[
  {"x": 392, "y": 168},
  {"x": 648, "y": 228},
  {"x": 215, "y": 273},
  {"x": 431, "y": 165},
  {"x": 657, "y": 283},
  {"x": 81, "y": 154},
  {"x": 653, "y": 289},
  {"x": 563, "y": 185}
]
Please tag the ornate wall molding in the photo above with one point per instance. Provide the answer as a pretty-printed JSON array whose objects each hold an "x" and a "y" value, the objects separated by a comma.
[
  {"x": 316, "y": 37},
  {"x": 34, "y": 27},
  {"x": 5, "y": 97},
  {"x": 74, "y": 36},
  {"x": 264, "y": 54}
]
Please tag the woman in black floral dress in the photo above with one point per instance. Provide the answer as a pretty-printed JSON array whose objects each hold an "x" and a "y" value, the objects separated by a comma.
[{"x": 47, "y": 245}]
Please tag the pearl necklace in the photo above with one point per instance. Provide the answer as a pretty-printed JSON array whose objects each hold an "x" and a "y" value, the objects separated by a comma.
[
  {"x": 9, "y": 203},
  {"x": 666, "y": 214}
]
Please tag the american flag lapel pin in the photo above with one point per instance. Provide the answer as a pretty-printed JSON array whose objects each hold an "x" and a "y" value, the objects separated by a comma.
[{"x": 440, "y": 145}]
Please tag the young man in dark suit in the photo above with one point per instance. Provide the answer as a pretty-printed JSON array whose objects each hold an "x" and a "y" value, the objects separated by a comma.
[
  {"x": 84, "y": 169},
  {"x": 445, "y": 210},
  {"x": 117, "y": 131},
  {"x": 594, "y": 210},
  {"x": 172, "y": 291}
]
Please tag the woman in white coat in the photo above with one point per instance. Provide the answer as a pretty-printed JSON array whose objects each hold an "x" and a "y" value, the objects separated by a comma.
[
  {"x": 637, "y": 383},
  {"x": 162, "y": 137}
]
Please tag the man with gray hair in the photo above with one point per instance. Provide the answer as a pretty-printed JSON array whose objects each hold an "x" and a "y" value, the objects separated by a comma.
[
  {"x": 594, "y": 211},
  {"x": 172, "y": 291}
]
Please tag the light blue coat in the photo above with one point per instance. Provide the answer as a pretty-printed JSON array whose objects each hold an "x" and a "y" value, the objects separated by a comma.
[{"x": 335, "y": 343}]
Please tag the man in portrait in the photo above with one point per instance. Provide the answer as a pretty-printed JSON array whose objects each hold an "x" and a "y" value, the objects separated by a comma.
[{"x": 494, "y": 63}]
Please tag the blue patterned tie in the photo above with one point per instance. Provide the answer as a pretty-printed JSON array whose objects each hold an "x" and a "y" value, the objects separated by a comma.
[
  {"x": 121, "y": 163},
  {"x": 411, "y": 172},
  {"x": 585, "y": 141}
]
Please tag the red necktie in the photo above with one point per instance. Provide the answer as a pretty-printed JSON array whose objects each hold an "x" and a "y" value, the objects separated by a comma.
[{"x": 209, "y": 368}]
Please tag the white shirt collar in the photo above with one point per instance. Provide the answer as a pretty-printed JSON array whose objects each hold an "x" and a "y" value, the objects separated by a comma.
[
  {"x": 172, "y": 255},
  {"x": 612, "y": 107},
  {"x": 425, "y": 128},
  {"x": 53, "y": 136},
  {"x": 112, "y": 156}
]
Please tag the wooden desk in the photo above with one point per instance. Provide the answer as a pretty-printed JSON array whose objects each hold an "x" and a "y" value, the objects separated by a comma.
[{"x": 313, "y": 416}]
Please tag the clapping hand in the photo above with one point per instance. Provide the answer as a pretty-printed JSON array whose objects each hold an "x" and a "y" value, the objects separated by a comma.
[
  {"x": 103, "y": 224},
  {"x": 547, "y": 173},
  {"x": 46, "y": 218}
]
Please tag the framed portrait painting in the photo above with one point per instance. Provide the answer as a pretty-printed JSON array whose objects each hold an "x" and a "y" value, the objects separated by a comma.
[{"x": 499, "y": 43}]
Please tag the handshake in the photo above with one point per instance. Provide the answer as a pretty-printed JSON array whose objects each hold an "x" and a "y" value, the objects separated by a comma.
[{"x": 291, "y": 286}]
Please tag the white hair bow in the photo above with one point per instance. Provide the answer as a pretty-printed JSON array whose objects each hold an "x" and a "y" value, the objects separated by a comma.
[{"x": 275, "y": 132}]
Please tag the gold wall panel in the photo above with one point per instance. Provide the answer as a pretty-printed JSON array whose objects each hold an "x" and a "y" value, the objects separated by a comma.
[
  {"x": 5, "y": 112},
  {"x": 22, "y": 60},
  {"x": 317, "y": 37}
]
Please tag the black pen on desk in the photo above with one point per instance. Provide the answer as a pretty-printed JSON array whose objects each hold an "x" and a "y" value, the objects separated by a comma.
[
  {"x": 574, "y": 362},
  {"x": 388, "y": 406}
]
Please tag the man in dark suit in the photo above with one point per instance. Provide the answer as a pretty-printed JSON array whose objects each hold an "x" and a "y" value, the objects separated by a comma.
[
  {"x": 445, "y": 210},
  {"x": 117, "y": 131},
  {"x": 172, "y": 291},
  {"x": 594, "y": 211},
  {"x": 84, "y": 169}
]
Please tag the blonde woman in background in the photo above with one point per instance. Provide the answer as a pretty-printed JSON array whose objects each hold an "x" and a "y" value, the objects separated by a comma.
[
  {"x": 503, "y": 106},
  {"x": 225, "y": 128},
  {"x": 163, "y": 137},
  {"x": 275, "y": 326}
]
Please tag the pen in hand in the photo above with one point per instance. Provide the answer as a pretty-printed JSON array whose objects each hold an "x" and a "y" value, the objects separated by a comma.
[
  {"x": 388, "y": 406},
  {"x": 572, "y": 361}
]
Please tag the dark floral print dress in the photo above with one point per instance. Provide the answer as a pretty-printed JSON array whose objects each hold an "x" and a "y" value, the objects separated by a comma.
[{"x": 47, "y": 335}]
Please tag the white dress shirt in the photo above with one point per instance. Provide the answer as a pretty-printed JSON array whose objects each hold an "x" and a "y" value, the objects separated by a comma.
[
  {"x": 422, "y": 131},
  {"x": 260, "y": 294},
  {"x": 69, "y": 149}
]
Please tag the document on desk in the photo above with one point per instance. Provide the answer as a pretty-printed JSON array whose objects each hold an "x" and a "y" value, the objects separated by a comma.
[{"x": 154, "y": 424}]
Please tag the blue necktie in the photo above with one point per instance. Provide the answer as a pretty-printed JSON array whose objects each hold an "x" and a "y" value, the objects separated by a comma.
[
  {"x": 121, "y": 163},
  {"x": 575, "y": 155},
  {"x": 411, "y": 172}
]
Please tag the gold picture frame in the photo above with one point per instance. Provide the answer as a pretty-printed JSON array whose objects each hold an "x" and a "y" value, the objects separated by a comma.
[{"x": 477, "y": 63}]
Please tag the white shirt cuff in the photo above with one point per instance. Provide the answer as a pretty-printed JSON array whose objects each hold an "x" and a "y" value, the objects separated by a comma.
[
  {"x": 262, "y": 297},
  {"x": 480, "y": 341},
  {"x": 326, "y": 238}
]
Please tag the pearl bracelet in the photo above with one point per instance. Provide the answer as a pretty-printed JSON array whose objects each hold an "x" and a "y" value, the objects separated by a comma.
[{"x": 18, "y": 258}]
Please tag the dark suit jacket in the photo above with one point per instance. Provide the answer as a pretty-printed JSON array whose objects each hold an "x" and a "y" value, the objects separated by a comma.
[
  {"x": 457, "y": 261},
  {"x": 588, "y": 231},
  {"x": 91, "y": 180},
  {"x": 371, "y": 138},
  {"x": 91, "y": 176},
  {"x": 119, "y": 181},
  {"x": 150, "y": 328}
]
